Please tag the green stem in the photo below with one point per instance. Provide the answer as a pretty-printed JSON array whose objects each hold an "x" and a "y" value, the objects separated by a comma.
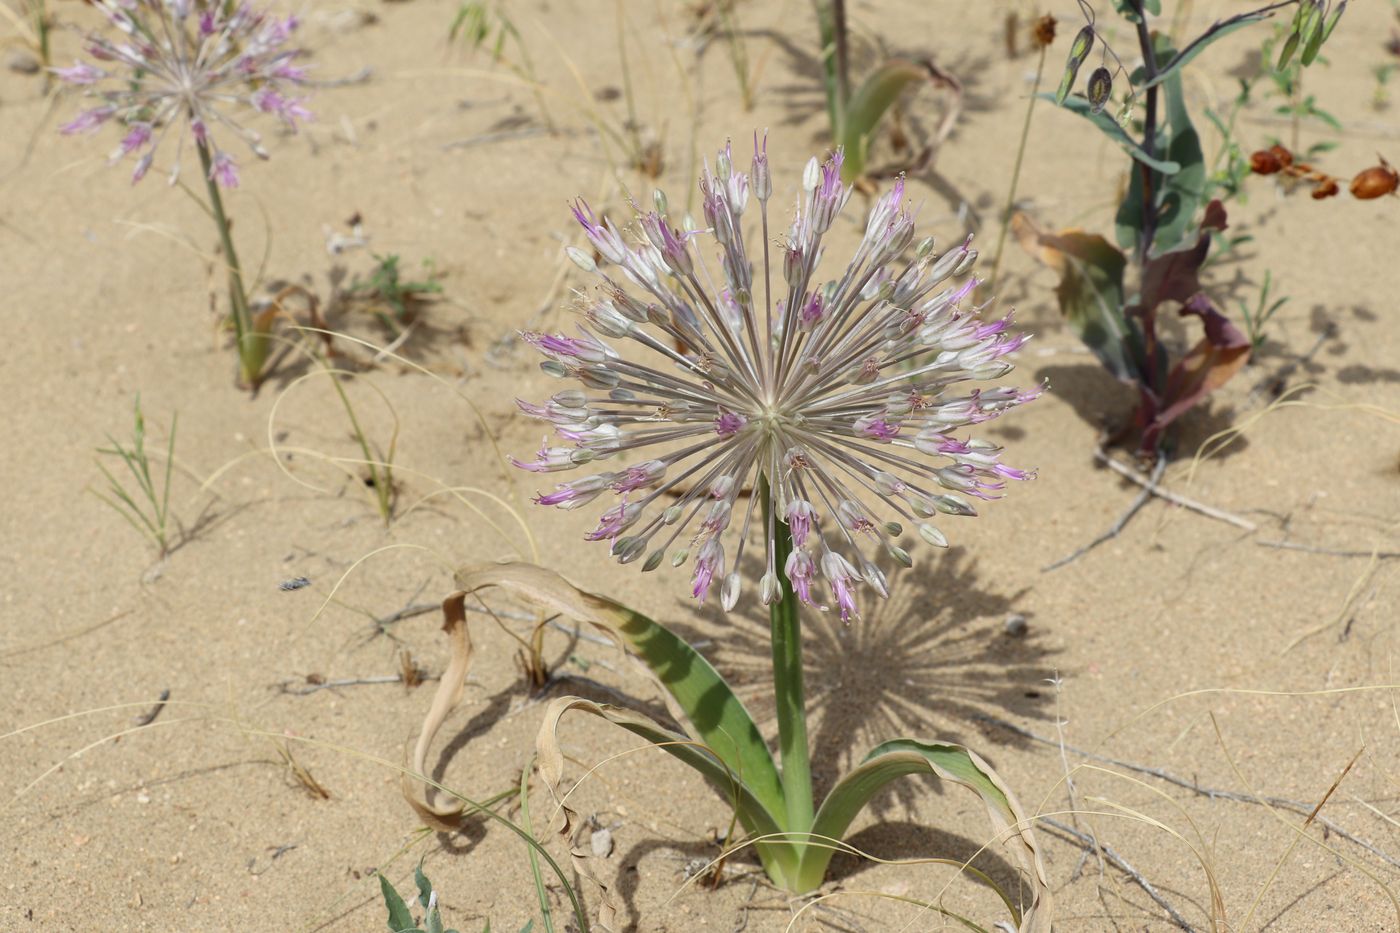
[
  {"x": 383, "y": 479},
  {"x": 1016, "y": 171},
  {"x": 252, "y": 346},
  {"x": 788, "y": 692}
]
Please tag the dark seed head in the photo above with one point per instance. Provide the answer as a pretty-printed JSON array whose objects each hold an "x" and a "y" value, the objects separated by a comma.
[
  {"x": 1100, "y": 89},
  {"x": 1043, "y": 31}
]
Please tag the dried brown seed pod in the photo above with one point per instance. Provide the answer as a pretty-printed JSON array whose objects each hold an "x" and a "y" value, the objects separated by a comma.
[
  {"x": 1264, "y": 162},
  {"x": 1326, "y": 189},
  {"x": 1043, "y": 31},
  {"x": 1284, "y": 157},
  {"x": 1376, "y": 181}
]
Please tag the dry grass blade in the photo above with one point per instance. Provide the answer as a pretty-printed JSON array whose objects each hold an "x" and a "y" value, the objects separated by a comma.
[{"x": 420, "y": 795}]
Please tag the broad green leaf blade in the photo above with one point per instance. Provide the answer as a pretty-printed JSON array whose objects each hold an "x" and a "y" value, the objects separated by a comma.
[
  {"x": 779, "y": 858},
  {"x": 1127, "y": 222},
  {"x": 400, "y": 920},
  {"x": 425, "y": 887},
  {"x": 867, "y": 106},
  {"x": 1090, "y": 293},
  {"x": 949, "y": 762},
  {"x": 1179, "y": 198},
  {"x": 1110, "y": 128},
  {"x": 698, "y": 694}
]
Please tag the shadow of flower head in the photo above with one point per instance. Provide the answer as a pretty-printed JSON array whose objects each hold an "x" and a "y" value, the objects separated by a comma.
[{"x": 919, "y": 665}]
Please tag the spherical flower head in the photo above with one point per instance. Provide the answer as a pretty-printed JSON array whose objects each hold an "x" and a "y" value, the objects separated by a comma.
[
  {"x": 844, "y": 396},
  {"x": 186, "y": 67}
]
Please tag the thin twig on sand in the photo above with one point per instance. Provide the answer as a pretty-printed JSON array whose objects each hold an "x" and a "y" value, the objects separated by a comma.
[
  {"x": 148, "y": 717},
  {"x": 1090, "y": 844},
  {"x": 311, "y": 687},
  {"x": 1297, "y": 806},
  {"x": 1147, "y": 483},
  {"x": 1117, "y": 527},
  {"x": 1330, "y": 551}
]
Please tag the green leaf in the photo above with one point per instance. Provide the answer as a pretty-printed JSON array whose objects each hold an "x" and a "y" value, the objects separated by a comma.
[
  {"x": 1127, "y": 222},
  {"x": 1110, "y": 128},
  {"x": 1314, "y": 42},
  {"x": 425, "y": 887},
  {"x": 867, "y": 107},
  {"x": 1090, "y": 293},
  {"x": 1289, "y": 47},
  {"x": 955, "y": 763},
  {"x": 1179, "y": 197},
  {"x": 400, "y": 920}
]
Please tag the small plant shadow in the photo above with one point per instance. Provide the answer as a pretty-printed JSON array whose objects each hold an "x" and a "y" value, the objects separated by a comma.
[
  {"x": 895, "y": 839},
  {"x": 690, "y": 857}
]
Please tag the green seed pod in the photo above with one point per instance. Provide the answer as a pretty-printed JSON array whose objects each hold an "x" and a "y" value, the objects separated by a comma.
[
  {"x": 1315, "y": 35},
  {"x": 581, "y": 259},
  {"x": 1100, "y": 89},
  {"x": 1078, "y": 51},
  {"x": 933, "y": 536}
]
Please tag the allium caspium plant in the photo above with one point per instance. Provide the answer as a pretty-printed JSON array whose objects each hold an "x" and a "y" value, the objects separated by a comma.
[
  {"x": 754, "y": 402},
  {"x": 191, "y": 70}
]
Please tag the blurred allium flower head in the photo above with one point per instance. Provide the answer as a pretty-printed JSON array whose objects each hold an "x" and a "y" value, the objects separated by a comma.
[
  {"x": 843, "y": 396},
  {"x": 172, "y": 66}
]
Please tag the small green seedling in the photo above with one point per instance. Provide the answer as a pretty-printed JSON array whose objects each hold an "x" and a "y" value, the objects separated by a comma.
[
  {"x": 1255, "y": 320},
  {"x": 401, "y": 918},
  {"x": 481, "y": 25},
  {"x": 856, "y": 114},
  {"x": 386, "y": 286},
  {"x": 147, "y": 509},
  {"x": 1285, "y": 86}
]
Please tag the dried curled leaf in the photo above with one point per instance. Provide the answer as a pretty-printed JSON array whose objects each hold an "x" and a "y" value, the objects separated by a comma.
[{"x": 420, "y": 795}]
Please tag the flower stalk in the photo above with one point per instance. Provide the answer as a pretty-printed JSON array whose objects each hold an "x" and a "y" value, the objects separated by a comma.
[
  {"x": 789, "y": 690},
  {"x": 253, "y": 343}
]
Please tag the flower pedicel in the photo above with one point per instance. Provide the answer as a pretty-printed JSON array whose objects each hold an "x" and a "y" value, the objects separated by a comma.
[{"x": 837, "y": 397}]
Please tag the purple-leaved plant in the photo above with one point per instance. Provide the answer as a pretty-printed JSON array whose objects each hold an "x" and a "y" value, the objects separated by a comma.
[
  {"x": 830, "y": 399},
  {"x": 192, "y": 69}
]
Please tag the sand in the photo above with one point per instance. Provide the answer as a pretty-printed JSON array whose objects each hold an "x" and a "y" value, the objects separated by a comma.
[{"x": 1184, "y": 644}]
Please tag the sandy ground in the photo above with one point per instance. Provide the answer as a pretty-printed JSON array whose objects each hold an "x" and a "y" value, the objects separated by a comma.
[{"x": 1184, "y": 644}]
